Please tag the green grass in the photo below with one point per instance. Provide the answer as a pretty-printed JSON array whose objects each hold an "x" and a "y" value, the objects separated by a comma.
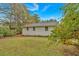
[{"x": 27, "y": 46}]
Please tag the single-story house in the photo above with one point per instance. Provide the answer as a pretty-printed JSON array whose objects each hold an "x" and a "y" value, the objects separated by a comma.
[{"x": 39, "y": 29}]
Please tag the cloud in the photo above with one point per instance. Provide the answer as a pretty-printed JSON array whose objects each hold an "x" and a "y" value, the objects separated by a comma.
[
  {"x": 52, "y": 17},
  {"x": 36, "y": 7},
  {"x": 45, "y": 8},
  {"x": 48, "y": 18}
]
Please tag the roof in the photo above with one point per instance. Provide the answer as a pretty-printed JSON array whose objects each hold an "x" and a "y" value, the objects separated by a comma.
[{"x": 42, "y": 24}]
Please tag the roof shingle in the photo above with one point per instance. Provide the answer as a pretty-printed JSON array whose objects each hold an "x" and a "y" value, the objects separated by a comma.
[{"x": 42, "y": 24}]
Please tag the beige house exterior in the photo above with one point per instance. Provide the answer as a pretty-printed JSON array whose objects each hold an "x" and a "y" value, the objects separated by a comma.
[{"x": 39, "y": 29}]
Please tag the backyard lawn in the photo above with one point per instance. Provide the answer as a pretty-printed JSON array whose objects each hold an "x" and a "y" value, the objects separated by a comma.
[{"x": 27, "y": 46}]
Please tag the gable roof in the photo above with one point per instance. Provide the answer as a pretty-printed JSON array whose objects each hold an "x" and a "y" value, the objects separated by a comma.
[{"x": 42, "y": 24}]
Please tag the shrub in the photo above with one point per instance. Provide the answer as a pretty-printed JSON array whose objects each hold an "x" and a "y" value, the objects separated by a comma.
[{"x": 5, "y": 31}]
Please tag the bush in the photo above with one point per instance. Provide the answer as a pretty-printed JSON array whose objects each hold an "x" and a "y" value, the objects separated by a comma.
[
  {"x": 72, "y": 41},
  {"x": 64, "y": 34},
  {"x": 5, "y": 31}
]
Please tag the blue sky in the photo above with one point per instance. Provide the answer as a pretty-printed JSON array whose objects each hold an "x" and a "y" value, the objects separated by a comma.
[{"x": 46, "y": 11}]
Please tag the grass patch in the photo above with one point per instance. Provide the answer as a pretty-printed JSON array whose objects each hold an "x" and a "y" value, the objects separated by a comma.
[{"x": 27, "y": 46}]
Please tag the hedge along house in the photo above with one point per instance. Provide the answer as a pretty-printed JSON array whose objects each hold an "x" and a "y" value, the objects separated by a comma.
[{"x": 39, "y": 29}]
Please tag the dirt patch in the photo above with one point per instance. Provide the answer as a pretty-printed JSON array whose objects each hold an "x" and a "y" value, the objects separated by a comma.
[{"x": 70, "y": 50}]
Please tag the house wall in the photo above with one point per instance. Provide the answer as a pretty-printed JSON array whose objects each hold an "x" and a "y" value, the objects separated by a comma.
[{"x": 39, "y": 31}]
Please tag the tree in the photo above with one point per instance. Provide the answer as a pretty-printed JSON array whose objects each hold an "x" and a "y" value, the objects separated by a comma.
[
  {"x": 69, "y": 25},
  {"x": 20, "y": 14},
  {"x": 36, "y": 18}
]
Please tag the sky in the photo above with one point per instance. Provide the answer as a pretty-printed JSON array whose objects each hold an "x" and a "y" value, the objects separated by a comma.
[{"x": 46, "y": 11}]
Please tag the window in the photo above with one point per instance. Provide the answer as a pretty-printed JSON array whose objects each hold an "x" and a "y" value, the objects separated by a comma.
[
  {"x": 27, "y": 28},
  {"x": 33, "y": 28},
  {"x": 46, "y": 28}
]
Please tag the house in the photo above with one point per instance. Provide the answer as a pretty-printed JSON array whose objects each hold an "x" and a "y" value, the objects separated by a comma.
[{"x": 39, "y": 29}]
